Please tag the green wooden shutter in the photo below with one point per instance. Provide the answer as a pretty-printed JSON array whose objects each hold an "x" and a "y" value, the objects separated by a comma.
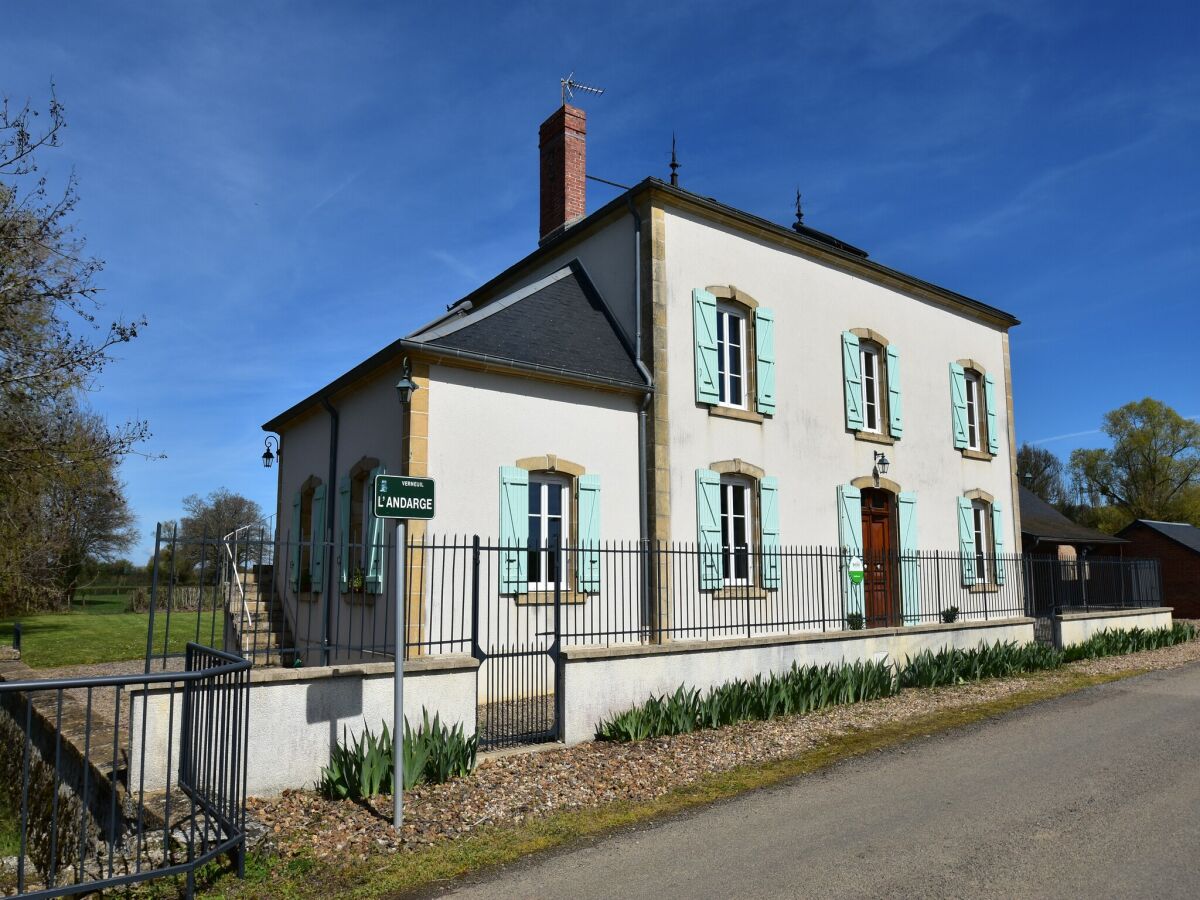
[
  {"x": 319, "y": 547},
  {"x": 958, "y": 405},
  {"x": 989, "y": 399},
  {"x": 704, "y": 330},
  {"x": 588, "y": 563},
  {"x": 850, "y": 537},
  {"x": 708, "y": 528},
  {"x": 966, "y": 540},
  {"x": 375, "y": 571},
  {"x": 895, "y": 421},
  {"x": 514, "y": 529},
  {"x": 764, "y": 351},
  {"x": 910, "y": 561},
  {"x": 852, "y": 379},
  {"x": 344, "y": 534},
  {"x": 294, "y": 544},
  {"x": 998, "y": 542},
  {"x": 768, "y": 505}
]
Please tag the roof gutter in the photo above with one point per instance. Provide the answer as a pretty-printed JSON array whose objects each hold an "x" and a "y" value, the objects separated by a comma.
[{"x": 643, "y": 437}]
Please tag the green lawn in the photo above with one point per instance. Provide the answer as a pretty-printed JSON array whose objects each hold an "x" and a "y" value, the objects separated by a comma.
[{"x": 103, "y": 632}]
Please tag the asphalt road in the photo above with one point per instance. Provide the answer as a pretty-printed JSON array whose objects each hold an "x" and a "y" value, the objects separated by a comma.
[{"x": 1093, "y": 795}]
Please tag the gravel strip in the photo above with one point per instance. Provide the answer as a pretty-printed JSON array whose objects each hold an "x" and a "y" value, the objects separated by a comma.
[{"x": 513, "y": 789}]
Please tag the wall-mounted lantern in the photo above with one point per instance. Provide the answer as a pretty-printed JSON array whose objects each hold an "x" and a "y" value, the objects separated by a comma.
[
  {"x": 882, "y": 464},
  {"x": 268, "y": 457},
  {"x": 405, "y": 386}
]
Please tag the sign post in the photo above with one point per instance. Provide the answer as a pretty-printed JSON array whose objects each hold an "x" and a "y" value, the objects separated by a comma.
[{"x": 401, "y": 497}]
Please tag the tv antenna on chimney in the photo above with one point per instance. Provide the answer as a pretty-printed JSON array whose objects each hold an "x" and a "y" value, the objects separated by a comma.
[{"x": 570, "y": 85}]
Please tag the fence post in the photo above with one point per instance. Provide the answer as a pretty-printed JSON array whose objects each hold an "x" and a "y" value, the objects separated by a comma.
[
  {"x": 560, "y": 572},
  {"x": 153, "y": 595},
  {"x": 475, "y": 555}
]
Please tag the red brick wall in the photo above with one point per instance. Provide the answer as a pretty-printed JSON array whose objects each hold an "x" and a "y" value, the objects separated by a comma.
[
  {"x": 1180, "y": 568},
  {"x": 563, "y": 149}
]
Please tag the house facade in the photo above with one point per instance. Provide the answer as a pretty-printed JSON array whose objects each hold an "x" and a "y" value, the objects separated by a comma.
[{"x": 672, "y": 371}]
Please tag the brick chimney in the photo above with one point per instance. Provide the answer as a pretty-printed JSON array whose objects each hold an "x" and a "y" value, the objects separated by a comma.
[{"x": 562, "y": 144}]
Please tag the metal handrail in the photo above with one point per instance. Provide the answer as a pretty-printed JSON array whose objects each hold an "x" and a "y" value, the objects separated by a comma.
[
  {"x": 235, "y": 664},
  {"x": 227, "y": 543}
]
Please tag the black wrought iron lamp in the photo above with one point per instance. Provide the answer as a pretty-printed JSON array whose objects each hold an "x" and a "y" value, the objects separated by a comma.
[
  {"x": 882, "y": 463},
  {"x": 268, "y": 457},
  {"x": 405, "y": 386}
]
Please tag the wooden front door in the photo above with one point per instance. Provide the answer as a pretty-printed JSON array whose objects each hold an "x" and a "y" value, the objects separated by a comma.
[{"x": 879, "y": 580}]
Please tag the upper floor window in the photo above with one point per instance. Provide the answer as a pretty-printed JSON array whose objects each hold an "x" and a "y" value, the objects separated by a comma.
[
  {"x": 872, "y": 374},
  {"x": 974, "y": 406},
  {"x": 871, "y": 383},
  {"x": 731, "y": 357},
  {"x": 734, "y": 341},
  {"x": 973, "y": 410}
]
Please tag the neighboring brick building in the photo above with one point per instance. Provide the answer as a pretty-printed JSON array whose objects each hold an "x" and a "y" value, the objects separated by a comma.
[{"x": 1177, "y": 546}]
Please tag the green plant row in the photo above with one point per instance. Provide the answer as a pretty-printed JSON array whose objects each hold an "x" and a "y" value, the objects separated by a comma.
[
  {"x": 809, "y": 688},
  {"x": 1135, "y": 640},
  {"x": 999, "y": 660},
  {"x": 800, "y": 690},
  {"x": 362, "y": 767}
]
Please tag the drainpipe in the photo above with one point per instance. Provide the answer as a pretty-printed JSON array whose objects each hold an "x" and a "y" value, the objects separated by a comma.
[
  {"x": 643, "y": 484},
  {"x": 330, "y": 494}
]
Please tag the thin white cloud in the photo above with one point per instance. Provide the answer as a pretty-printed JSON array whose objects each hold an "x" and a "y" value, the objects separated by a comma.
[{"x": 1063, "y": 437}]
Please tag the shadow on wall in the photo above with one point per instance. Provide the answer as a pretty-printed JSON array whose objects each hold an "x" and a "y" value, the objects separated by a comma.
[{"x": 333, "y": 699}]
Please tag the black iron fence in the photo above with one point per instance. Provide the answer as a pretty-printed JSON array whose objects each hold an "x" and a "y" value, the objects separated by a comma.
[
  {"x": 315, "y": 603},
  {"x": 112, "y": 781}
]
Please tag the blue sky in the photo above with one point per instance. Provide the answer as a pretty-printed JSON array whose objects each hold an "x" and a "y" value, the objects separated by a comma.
[{"x": 283, "y": 188}]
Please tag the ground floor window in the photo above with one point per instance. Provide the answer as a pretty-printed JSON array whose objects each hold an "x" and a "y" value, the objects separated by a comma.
[
  {"x": 549, "y": 527},
  {"x": 736, "y": 529},
  {"x": 981, "y": 517}
]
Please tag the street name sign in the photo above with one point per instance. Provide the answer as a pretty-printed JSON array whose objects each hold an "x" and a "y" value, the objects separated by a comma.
[{"x": 403, "y": 497}]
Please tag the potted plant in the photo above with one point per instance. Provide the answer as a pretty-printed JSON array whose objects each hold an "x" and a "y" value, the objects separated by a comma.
[
  {"x": 358, "y": 580},
  {"x": 855, "y": 621},
  {"x": 950, "y": 614}
]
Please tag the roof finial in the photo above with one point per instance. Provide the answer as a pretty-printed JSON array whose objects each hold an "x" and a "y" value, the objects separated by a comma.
[
  {"x": 674, "y": 163},
  {"x": 799, "y": 212}
]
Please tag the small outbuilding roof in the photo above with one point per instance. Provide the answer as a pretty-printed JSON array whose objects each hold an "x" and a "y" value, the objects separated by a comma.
[
  {"x": 1042, "y": 521},
  {"x": 1179, "y": 532},
  {"x": 558, "y": 322}
]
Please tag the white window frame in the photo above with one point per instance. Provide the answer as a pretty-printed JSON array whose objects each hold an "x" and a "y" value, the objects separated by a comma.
[
  {"x": 725, "y": 312},
  {"x": 975, "y": 410},
  {"x": 544, "y": 482},
  {"x": 981, "y": 524},
  {"x": 731, "y": 485},
  {"x": 870, "y": 388}
]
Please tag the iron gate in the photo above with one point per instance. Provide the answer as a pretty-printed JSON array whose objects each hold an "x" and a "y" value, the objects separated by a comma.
[{"x": 516, "y": 640}]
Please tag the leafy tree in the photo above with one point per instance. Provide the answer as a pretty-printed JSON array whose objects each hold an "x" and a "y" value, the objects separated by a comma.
[
  {"x": 1152, "y": 470},
  {"x": 1041, "y": 471},
  {"x": 206, "y": 524},
  {"x": 52, "y": 352}
]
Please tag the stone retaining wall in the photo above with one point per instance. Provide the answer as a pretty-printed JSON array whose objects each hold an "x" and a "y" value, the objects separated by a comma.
[
  {"x": 598, "y": 682},
  {"x": 1076, "y": 627}
]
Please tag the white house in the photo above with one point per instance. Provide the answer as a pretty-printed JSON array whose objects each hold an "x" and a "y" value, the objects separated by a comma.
[{"x": 666, "y": 369}]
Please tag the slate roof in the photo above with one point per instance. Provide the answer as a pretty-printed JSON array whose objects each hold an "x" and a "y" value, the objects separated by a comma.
[
  {"x": 1043, "y": 521},
  {"x": 1180, "y": 532},
  {"x": 559, "y": 322}
]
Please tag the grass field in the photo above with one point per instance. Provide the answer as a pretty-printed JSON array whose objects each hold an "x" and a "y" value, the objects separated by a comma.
[{"x": 103, "y": 631}]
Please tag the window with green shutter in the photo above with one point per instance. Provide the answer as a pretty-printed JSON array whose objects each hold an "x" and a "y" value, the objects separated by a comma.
[
  {"x": 764, "y": 350},
  {"x": 852, "y": 381},
  {"x": 966, "y": 540},
  {"x": 344, "y": 563},
  {"x": 910, "y": 561},
  {"x": 319, "y": 545},
  {"x": 997, "y": 544},
  {"x": 708, "y": 529},
  {"x": 704, "y": 333},
  {"x": 892, "y": 377},
  {"x": 768, "y": 504},
  {"x": 993, "y": 433},
  {"x": 588, "y": 561},
  {"x": 376, "y": 552},
  {"x": 514, "y": 529},
  {"x": 295, "y": 542},
  {"x": 958, "y": 407},
  {"x": 849, "y": 501}
]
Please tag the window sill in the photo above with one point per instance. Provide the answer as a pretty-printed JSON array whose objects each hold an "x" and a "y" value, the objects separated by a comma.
[
  {"x": 742, "y": 415},
  {"x": 874, "y": 437},
  {"x": 985, "y": 589},
  {"x": 746, "y": 592},
  {"x": 546, "y": 598},
  {"x": 981, "y": 455},
  {"x": 358, "y": 598}
]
